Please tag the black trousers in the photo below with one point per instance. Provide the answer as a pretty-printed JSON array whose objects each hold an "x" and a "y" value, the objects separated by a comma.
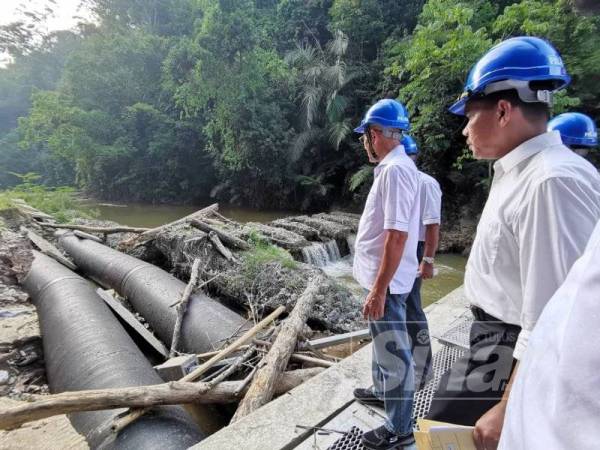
[{"x": 476, "y": 382}]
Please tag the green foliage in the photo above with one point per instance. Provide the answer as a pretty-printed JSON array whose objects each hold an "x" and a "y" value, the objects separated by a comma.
[
  {"x": 262, "y": 254},
  {"x": 60, "y": 202},
  {"x": 360, "y": 177},
  {"x": 253, "y": 102}
]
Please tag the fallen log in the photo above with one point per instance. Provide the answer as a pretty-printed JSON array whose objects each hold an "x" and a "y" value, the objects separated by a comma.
[
  {"x": 173, "y": 393},
  {"x": 134, "y": 414},
  {"x": 148, "y": 235},
  {"x": 88, "y": 229},
  {"x": 214, "y": 238},
  {"x": 182, "y": 307},
  {"x": 226, "y": 238},
  {"x": 262, "y": 388}
]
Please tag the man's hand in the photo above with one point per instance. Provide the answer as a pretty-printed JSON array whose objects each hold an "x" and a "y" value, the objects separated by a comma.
[
  {"x": 426, "y": 270},
  {"x": 489, "y": 426},
  {"x": 374, "y": 305}
]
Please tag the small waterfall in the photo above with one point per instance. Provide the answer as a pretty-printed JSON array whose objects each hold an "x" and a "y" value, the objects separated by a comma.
[
  {"x": 321, "y": 253},
  {"x": 350, "y": 239}
]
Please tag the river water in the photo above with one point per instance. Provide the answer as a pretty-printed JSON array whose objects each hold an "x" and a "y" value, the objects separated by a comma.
[{"x": 450, "y": 267}]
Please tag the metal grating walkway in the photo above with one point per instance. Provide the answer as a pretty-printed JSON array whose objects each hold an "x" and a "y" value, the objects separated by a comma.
[
  {"x": 458, "y": 335},
  {"x": 442, "y": 361}
]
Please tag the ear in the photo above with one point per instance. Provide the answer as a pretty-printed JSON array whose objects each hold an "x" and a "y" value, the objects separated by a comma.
[{"x": 504, "y": 111}]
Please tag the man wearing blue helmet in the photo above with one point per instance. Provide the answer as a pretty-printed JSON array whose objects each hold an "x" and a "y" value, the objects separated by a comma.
[
  {"x": 385, "y": 263},
  {"x": 429, "y": 233},
  {"x": 577, "y": 131},
  {"x": 542, "y": 206}
]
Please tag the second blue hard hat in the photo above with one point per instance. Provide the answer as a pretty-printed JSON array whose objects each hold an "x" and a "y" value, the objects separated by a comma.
[
  {"x": 386, "y": 113},
  {"x": 575, "y": 129},
  {"x": 410, "y": 146},
  {"x": 513, "y": 64}
]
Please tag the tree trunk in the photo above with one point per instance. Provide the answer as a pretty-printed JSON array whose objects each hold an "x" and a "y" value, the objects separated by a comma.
[
  {"x": 263, "y": 386},
  {"x": 173, "y": 393}
]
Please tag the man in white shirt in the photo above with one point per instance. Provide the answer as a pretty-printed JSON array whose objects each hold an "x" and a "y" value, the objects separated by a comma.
[
  {"x": 429, "y": 234},
  {"x": 542, "y": 207},
  {"x": 385, "y": 263},
  {"x": 554, "y": 401}
]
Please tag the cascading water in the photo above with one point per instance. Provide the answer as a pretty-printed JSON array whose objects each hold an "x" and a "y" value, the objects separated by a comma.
[
  {"x": 321, "y": 253},
  {"x": 350, "y": 239}
]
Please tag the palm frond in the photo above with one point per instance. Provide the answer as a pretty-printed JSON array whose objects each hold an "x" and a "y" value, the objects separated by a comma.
[
  {"x": 360, "y": 177},
  {"x": 337, "y": 131},
  {"x": 338, "y": 45},
  {"x": 303, "y": 141},
  {"x": 311, "y": 99},
  {"x": 336, "y": 106}
]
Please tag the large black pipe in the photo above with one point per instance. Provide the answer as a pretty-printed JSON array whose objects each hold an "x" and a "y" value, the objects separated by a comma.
[
  {"x": 85, "y": 347},
  {"x": 152, "y": 291}
]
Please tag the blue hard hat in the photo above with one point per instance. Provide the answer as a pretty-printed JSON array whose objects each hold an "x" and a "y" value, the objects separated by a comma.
[
  {"x": 387, "y": 113},
  {"x": 512, "y": 64},
  {"x": 575, "y": 129},
  {"x": 410, "y": 146}
]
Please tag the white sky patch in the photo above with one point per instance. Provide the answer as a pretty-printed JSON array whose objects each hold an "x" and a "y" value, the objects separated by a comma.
[{"x": 66, "y": 15}]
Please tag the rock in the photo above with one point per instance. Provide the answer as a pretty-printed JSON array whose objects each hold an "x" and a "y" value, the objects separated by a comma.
[{"x": 4, "y": 377}]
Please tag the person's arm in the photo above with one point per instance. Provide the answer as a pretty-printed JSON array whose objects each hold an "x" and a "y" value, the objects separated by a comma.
[
  {"x": 432, "y": 237},
  {"x": 489, "y": 426},
  {"x": 392, "y": 254},
  {"x": 399, "y": 189},
  {"x": 552, "y": 232}
]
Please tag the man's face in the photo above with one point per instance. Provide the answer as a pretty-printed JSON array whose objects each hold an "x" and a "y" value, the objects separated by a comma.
[{"x": 482, "y": 130}]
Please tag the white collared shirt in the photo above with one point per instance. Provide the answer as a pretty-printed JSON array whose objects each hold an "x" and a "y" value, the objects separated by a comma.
[
  {"x": 554, "y": 401},
  {"x": 543, "y": 205},
  {"x": 431, "y": 203},
  {"x": 392, "y": 204}
]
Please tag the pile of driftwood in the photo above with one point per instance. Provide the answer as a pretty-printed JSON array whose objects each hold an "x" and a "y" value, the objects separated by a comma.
[{"x": 253, "y": 368}]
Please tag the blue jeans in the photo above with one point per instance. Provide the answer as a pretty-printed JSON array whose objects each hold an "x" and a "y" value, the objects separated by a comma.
[
  {"x": 392, "y": 364},
  {"x": 418, "y": 329}
]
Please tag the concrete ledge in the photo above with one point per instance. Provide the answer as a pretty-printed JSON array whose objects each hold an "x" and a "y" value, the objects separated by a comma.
[{"x": 311, "y": 404}]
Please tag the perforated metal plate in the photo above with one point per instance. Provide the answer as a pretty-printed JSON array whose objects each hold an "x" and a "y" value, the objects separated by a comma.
[
  {"x": 442, "y": 360},
  {"x": 458, "y": 335},
  {"x": 350, "y": 441}
]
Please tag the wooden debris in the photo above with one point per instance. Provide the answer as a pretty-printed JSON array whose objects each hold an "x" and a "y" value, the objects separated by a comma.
[
  {"x": 83, "y": 235},
  {"x": 226, "y": 238},
  {"x": 338, "y": 339},
  {"x": 214, "y": 238},
  {"x": 29, "y": 211},
  {"x": 131, "y": 320},
  {"x": 149, "y": 235},
  {"x": 47, "y": 248},
  {"x": 182, "y": 306},
  {"x": 87, "y": 229},
  {"x": 297, "y": 357},
  {"x": 245, "y": 338},
  {"x": 262, "y": 387},
  {"x": 173, "y": 393},
  {"x": 131, "y": 416}
]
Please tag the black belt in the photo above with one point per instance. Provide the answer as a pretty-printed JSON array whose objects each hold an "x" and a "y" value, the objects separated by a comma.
[{"x": 482, "y": 316}]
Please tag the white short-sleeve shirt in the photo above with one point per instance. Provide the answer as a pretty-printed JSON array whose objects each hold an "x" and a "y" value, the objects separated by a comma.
[
  {"x": 393, "y": 204},
  {"x": 431, "y": 203},
  {"x": 543, "y": 205},
  {"x": 554, "y": 401}
]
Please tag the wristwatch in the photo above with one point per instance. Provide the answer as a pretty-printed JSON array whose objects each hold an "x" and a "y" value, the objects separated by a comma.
[{"x": 428, "y": 259}]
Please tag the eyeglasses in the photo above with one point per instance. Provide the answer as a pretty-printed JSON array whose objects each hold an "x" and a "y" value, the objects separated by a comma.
[{"x": 362, "y": 138}]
